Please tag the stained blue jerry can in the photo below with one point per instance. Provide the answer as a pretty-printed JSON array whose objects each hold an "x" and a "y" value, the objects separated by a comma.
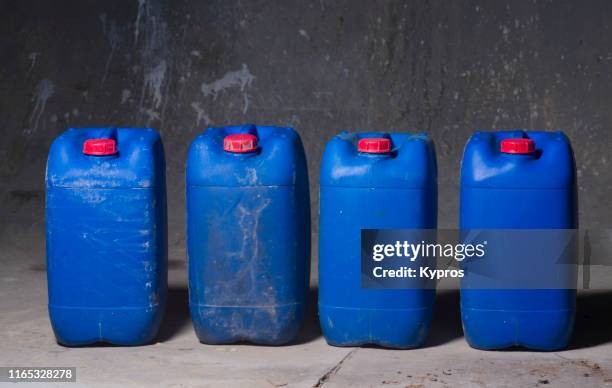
[
  {"x": 106, "y": 235},
  {"x": 516, "y": 180},
  {"x": 248, "y": 234},
  {"x": 373, "y": 181}
]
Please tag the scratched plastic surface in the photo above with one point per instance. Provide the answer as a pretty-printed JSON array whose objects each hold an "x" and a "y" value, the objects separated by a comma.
[
  {"x": 507, "y": 191},
  {"x": 106, "y": 237},
  {"x": 248, "y": 236},
  {"x": 385, "y": 191}
]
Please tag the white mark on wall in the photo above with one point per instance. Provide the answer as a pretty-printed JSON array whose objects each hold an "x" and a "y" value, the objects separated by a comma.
[
  {"x": 74, "y": 113},
  {"x": 153, "y": 82},
  {"x": 114, "y": 39},
  {"x": 32, "y": 57},
  {"x": 505, "y": 33},
  {"x": 43, "y": 91},
  {"x": 102, "y": 18},
  {"x": 151, "y": 114},
  {"x": 304, "y": 34},
  {"x": 141, "y": 7},
  {"x": 155, "y": 51},
  {"x": 125, "y": 96},
  {"x": 200, "y": 114},
  {"x": 241, "y": 79},
  {"x": 295, "y": 120}
]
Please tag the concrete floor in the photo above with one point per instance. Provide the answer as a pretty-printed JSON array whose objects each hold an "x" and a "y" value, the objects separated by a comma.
[{"x": 178, "y": 359}]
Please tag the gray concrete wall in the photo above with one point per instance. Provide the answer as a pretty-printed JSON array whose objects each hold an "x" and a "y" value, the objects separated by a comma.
[{"x": 320, "y": 66}]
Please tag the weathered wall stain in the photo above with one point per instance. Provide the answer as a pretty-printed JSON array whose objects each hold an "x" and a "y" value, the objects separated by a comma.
[
  {"x": 201, "y": 116},
  {"x": 241, "y": 79},
  {"x": 114, "y": 39},
  {"x": 43, "y": 91}
]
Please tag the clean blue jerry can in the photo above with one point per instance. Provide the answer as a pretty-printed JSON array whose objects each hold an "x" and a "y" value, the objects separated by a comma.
[
  {"x": 373, "y": 181},
  {"x": 518, "y": 180},
  {"x": 106, "y": 235},
  {"x": 248, "y": 234}
]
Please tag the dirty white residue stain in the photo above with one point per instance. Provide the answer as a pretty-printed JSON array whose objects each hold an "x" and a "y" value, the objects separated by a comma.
[
  {"x": 153, "y": 82},
  {"x": 250, "y": 178},
  {"x": 125, "y": 96},
  {"x": 241, "y": 79},
  {"x": 81, "y": 177},
  {"x": 141, "y": 7},
  {"x": 196, "y": 53},
  {"x": 43, "y": 91},
  {"x": 92, "y": 197},
  {"x": 153, "y": 299},
  {"x": 32, "y": 57},
  {"x": 249, "y": 215},
  {"x": 304, "y": 34},
  {"x": 249, "y": 223},
  {"x": 342, "y": 172},
  {"x": 200, "y": 114}
]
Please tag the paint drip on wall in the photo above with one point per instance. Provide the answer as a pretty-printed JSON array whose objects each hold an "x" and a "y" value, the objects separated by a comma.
[
  {"x": 241, "y": 79},
  {"x": 156, "y": 58}
]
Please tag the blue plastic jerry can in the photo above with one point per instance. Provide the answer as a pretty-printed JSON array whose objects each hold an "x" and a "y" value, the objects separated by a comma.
[
  {"x": 373, "y": 181},
  {"x": 106, "y": 235},
  {"x": 248, "y": 234},
  {"x": 513, "y": 181}
]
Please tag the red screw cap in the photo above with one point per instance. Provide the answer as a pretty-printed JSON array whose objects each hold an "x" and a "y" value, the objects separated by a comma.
[
  {"x": 100, "y": 147},
  {"x": 517, "y": 146},
  {"x": 374, "y": 145},
  {"x": 240, "y": 143}
]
